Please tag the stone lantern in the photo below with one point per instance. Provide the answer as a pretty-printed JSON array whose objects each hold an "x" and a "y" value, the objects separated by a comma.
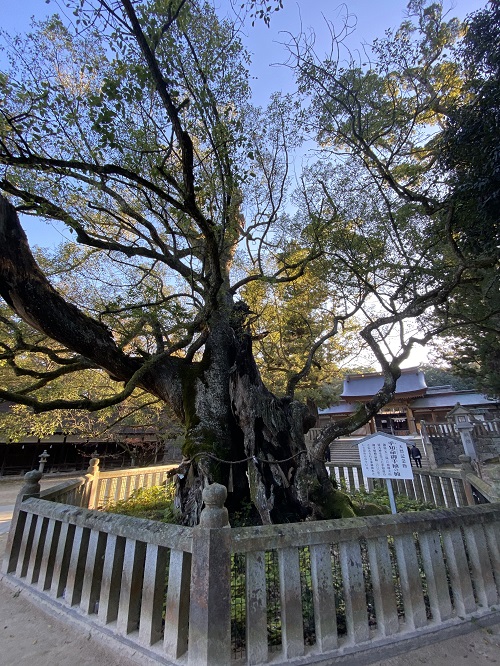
[
  {"x": 43, "y": 457},
  {"x": 463, "y": 421}
]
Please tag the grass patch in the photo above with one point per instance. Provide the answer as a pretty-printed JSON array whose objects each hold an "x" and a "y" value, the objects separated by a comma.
[
  {"x": 380, "y": 497},
  {"x": 155, "y": 503}
]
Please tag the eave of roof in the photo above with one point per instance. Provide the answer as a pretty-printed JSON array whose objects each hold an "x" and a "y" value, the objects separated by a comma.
[
  {"x": 411, "y": 384},
  {"x": 469, "y": 398}
]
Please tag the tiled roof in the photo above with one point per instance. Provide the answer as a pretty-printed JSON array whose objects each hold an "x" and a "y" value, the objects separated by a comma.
[
  {"x": 451, "y": 399},
  {"x": 411, "y": 385},
  {"x": 443, "y": 400},
  {"x": 411, "y": 382}
]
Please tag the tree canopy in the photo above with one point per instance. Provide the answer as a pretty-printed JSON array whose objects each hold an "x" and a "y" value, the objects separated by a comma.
[
  {"x": 192, "y": 246},
  {"x": 470, "y": 156}
]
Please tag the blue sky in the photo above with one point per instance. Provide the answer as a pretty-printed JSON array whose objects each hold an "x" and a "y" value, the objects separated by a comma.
[{"x": 371, "y": 18}]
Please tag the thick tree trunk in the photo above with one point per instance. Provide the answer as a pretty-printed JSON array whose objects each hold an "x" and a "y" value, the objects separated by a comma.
[
  {"x": 241, "y": 435},
  {"x": 213, "y": 439},
  {"x": 237, "y": 432},
  {"x": 287, "y": 479}
]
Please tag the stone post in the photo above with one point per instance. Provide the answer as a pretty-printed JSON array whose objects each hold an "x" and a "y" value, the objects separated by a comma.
[
  {"x": 214, "y": 514},
  {"x": 43, "y": 457},
  {"x": 461, "y": 417},
  {"x": 93, "y": 471},
  {"x": 428, "y": 448},
  {"x": 31, "y": 488},
  {"x": 465, "y": 469},
  {"x": 210, "y": 604},
  {"x": 465, "y": 431}
]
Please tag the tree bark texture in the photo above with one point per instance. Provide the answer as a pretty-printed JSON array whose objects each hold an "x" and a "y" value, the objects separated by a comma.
[{"x": 237, "y": 432}]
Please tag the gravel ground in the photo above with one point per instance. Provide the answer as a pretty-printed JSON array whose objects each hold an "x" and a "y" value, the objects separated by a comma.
[{"x": 31, "y": 636}]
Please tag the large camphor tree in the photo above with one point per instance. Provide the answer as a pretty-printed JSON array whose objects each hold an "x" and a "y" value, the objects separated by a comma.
[{"x": 131, "y": 126}]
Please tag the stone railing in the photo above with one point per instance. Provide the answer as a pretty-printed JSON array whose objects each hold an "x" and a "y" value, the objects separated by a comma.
[
  {"x": 119, "y": 484},
  {"x": 73, "y": 491},
  {"x": 97, "y": 489},
  {"x": 350, "y": 585},
  {"x": 77, "y": 492},
  {"x": 210, "y": 595},
  {"x": 440, "y": 488}
]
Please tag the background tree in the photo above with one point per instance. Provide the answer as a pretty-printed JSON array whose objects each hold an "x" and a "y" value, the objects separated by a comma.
[
  {"x": 395, "y": 119},
  {"x": 470, "y": 156},
  {"x": 442, "y": 375},
  {"x": 30, "y": 362},
  {"x": 288, "y": 321},
  {"x": 132, "y": 127}
]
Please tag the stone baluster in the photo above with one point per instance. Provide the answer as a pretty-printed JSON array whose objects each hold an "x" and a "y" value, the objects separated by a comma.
[
  {"x": 210, "y": 608},
  {"x": 31, "y": 488},
  {"x": 93, "y": 472}
]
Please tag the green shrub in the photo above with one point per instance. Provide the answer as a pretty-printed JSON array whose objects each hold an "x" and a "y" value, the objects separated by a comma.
[
  {"x": 155, "y": 503},
  {"x": 379, "y": 496}
]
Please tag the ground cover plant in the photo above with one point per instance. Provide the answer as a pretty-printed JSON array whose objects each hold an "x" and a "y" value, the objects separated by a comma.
[
  {"x": 155, "y": 503},
  {"x": 380, "y": 497}
]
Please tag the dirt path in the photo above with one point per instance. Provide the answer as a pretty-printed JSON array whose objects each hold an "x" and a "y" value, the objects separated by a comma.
[
  {"x": 31, "y": 635},
  {"x": 478, "y": 648}
]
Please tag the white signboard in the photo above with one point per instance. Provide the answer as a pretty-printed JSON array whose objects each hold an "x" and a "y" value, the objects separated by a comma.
[{"x": 385, "y": 457}]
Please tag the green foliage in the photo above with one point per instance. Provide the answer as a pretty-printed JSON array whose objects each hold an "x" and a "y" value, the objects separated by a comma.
[
  {"x": 470, "y": 145},
  {"x": 438, "y": 375},
  {"x": 365, "y": 501},
  {"x": 388, "y": 108},
  {"x": 470, "y": 157},
  {"x": 409, "y": 173},
  {"x": 244, "y": 516},
  {"x": 262, "y": 9},
  {"x": 155, "y": 503},
  {"x": 30, "y": 363},
  {"x": 288, "y": 319},
  {"x": 474, "y": 352}
]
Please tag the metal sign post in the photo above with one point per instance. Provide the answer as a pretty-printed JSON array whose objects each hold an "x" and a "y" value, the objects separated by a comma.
[
  {"x": 385, "y": 457},
  {"x": 390, "y": 492}
]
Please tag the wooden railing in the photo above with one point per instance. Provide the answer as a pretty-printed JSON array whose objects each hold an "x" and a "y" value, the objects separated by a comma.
[
  {"x": 212, "y": 595},
  {"x": 98, "y": 489},
  {"x": 115, "y": 569},
  {"x": 345, "y": 584},
  {"x": 487, "y": 428}
]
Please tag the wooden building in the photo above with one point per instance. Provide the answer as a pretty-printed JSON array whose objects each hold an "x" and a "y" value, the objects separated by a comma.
[{"x": 412, "y": 403}]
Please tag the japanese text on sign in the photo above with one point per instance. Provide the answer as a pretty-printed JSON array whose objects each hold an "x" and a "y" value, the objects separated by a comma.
[{"x": 383, "y": 457}]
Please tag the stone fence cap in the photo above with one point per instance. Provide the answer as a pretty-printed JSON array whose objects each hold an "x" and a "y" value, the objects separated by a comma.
[{"x": 214, "y": 495}]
